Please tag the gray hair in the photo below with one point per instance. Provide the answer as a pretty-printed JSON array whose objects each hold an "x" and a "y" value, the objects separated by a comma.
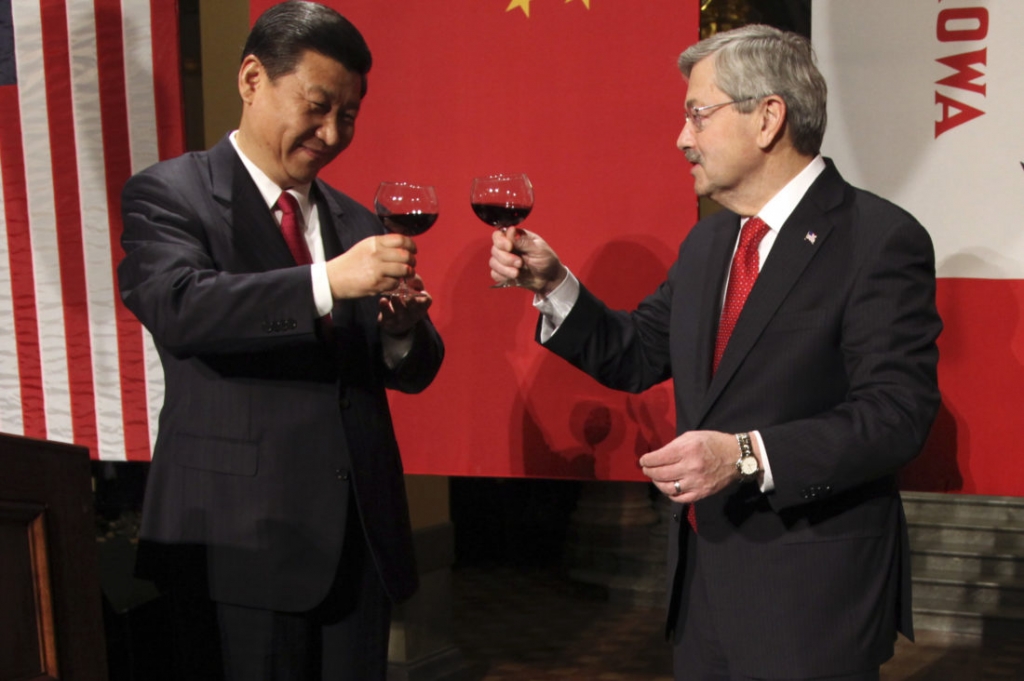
[{"x": 756, "y": 61}]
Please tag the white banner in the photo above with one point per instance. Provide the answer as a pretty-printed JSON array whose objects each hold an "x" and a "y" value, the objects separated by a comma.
[{"x": 925, "y": 107}]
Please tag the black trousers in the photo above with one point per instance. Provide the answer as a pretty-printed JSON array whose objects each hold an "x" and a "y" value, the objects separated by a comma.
[
  {"x": 699, "y": 656},
  {"x": 345, "y": 638}
]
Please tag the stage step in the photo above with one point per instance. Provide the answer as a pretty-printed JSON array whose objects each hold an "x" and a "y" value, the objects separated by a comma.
[{"x": 968, "y": 562}]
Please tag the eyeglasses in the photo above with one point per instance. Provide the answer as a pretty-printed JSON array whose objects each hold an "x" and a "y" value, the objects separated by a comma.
[{"x": 697, "y": 116}]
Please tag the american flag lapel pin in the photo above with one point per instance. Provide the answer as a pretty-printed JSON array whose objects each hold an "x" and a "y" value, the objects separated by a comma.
[{"x": 811, "y": 237}]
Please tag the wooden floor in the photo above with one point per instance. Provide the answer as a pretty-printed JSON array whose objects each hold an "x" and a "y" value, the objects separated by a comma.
[{"x": 533, "y": 624}]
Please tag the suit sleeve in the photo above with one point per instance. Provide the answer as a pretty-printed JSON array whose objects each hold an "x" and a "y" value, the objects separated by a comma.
[
  {"x": 420, "y": 365},
  {"x": 626, "y": 351},
  {"x": 887, "y": 344},
  {"x": 177, "y": 279}
]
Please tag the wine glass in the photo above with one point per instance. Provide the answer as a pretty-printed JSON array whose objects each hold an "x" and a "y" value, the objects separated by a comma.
[
  {"x": 502, "y": 201},
  {"x": 408, "y": 209}
]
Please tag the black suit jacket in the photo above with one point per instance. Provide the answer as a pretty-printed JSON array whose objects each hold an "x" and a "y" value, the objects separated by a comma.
[
  {"x": 833, "y": 360},
  {"x": 268, "y": 424}
]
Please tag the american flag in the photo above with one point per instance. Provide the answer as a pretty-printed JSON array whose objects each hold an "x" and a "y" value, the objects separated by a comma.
[{"x": 89, "y": 94}]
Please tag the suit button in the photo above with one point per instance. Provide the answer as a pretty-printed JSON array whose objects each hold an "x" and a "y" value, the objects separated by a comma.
[
  {"x": 344, "y": 403},
  {"x": 675, "y": 517},
  {"x": 342, "y": 475}
]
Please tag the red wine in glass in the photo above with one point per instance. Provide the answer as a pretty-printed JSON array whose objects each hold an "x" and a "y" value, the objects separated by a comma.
[
  {"x": 501, "y": 216},
  {"x": 409, "y": 224},
  {"x": 502, "y": 201},
  {"x": 407, "y": 209}
]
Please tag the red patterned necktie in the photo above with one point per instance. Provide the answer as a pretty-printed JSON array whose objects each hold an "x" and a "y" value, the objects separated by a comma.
[
  {"x": 741, "y": 279},
  {"x": 292, "y": 230}
]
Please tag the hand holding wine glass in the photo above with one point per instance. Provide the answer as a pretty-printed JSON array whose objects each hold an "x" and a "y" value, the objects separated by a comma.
[
  {"x": 407, "y": 209},
  {"x": 513, "y": 248},
  {"x": 502, "y": 201}
]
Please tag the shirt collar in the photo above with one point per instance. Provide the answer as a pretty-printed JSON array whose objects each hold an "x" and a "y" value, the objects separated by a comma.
[
  {"x": 781, "y": 206},
  {"x": 268, "y": 188}
]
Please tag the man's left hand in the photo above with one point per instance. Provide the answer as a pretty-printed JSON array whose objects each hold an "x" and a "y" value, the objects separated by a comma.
[
  {"x": 703, "y": 462},
  {"x": 398, "y": 316}
]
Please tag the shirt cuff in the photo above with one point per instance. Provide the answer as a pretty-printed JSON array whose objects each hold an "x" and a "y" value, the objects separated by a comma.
[
  {"x": 557, "y": 305},
  {"x": 768, "y": 484},
  {"x": 322, "y": 297}
]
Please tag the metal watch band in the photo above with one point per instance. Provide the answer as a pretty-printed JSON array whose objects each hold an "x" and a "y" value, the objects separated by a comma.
[
  {"x": 743, "y": 439},
  {"x": 746, "y": 456}
]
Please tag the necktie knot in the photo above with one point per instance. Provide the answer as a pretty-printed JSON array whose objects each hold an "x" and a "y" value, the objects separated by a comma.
[
  {"x": 752, "y": 233},
  {"x": 287, "y": 204}
]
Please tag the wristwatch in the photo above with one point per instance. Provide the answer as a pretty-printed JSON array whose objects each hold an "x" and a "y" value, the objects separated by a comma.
[{"x": 746, "y": 465}]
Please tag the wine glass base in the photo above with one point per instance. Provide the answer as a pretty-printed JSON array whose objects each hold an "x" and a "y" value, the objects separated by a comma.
[{"x": 508, "y": 283}]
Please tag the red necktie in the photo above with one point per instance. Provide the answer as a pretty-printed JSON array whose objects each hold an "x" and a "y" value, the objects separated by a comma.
[
  {"x": 741, "y": 280},
  {"x": 292, "y": 230}
]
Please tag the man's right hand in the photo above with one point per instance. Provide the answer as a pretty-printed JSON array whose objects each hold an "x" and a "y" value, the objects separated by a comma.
[
  {"x": 371, "y": 267},
  {"x": 527, "y": 258}
]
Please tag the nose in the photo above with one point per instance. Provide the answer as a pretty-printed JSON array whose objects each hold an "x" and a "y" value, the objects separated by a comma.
[
  {"x": 328, "y": 132},
  {"x": 685, "y": 139}
]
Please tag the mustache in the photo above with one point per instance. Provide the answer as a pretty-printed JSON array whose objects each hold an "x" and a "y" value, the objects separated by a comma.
[{"x": 693, "y": 156}]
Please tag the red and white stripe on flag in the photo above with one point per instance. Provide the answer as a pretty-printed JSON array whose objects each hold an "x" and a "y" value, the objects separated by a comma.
[{"x": 89, "y": 94}]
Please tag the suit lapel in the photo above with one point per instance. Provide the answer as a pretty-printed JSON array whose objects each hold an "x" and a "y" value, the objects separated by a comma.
[
  {"x": 695, "y": 315},
  {"x": 256, "y": 236},
  {"x": 718, "y": 260},
  {"x": 789, "y": 257},
  {"x": 336, "y": 238}
]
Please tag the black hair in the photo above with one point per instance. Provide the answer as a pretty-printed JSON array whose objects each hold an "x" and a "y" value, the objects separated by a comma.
[{"x": 284, "y": 32}]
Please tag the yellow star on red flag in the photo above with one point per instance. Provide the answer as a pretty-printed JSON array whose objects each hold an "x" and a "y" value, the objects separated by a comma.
[
  {"x": 525, "y": 5},
  {"x": 521, "y": 4}
]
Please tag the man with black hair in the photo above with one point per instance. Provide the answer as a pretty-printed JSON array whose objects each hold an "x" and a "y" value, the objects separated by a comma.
[{"x": 275, "y": 519}]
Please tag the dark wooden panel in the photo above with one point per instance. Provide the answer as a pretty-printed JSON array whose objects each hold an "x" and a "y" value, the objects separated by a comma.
[
  {"x": 50, "y": 603},
  {"x": 26, "y": 606}
]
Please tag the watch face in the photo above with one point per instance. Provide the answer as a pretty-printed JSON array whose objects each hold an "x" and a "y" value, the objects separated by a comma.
[{"x": 748, "y": 465}]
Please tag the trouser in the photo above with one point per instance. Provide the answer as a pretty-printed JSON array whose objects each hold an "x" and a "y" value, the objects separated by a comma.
[
  {"x": 699, "y": 656},
  {"x": 345, "y": 638}
]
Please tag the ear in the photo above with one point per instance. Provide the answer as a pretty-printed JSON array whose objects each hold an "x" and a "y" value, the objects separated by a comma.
[
  {"x": 251, "y": 76},
  {"x": 772, "y": 117}
]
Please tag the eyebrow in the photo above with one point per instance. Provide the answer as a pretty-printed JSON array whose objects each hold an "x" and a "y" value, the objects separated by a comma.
[
  {"x": 330, "y": 95},
  {"x": 321, "y": 90}
]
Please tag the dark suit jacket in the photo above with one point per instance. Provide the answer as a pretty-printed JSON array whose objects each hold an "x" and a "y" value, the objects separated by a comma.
[
  {"x": 833, "y": 360},
  {"x": 267, "y": 427}
]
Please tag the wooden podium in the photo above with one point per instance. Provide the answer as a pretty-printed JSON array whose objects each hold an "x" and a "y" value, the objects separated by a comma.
[{"x": 51, "y": 623}]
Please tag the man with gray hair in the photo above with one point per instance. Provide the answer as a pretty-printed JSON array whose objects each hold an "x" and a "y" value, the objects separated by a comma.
[{"x": 799, "y": 327}]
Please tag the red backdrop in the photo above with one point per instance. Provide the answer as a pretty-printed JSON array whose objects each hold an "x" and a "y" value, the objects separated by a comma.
[
  {"x": 588, "y": 102},
  {"x": 973, "y": 446},
  {"x": 585, "y": 97}
]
